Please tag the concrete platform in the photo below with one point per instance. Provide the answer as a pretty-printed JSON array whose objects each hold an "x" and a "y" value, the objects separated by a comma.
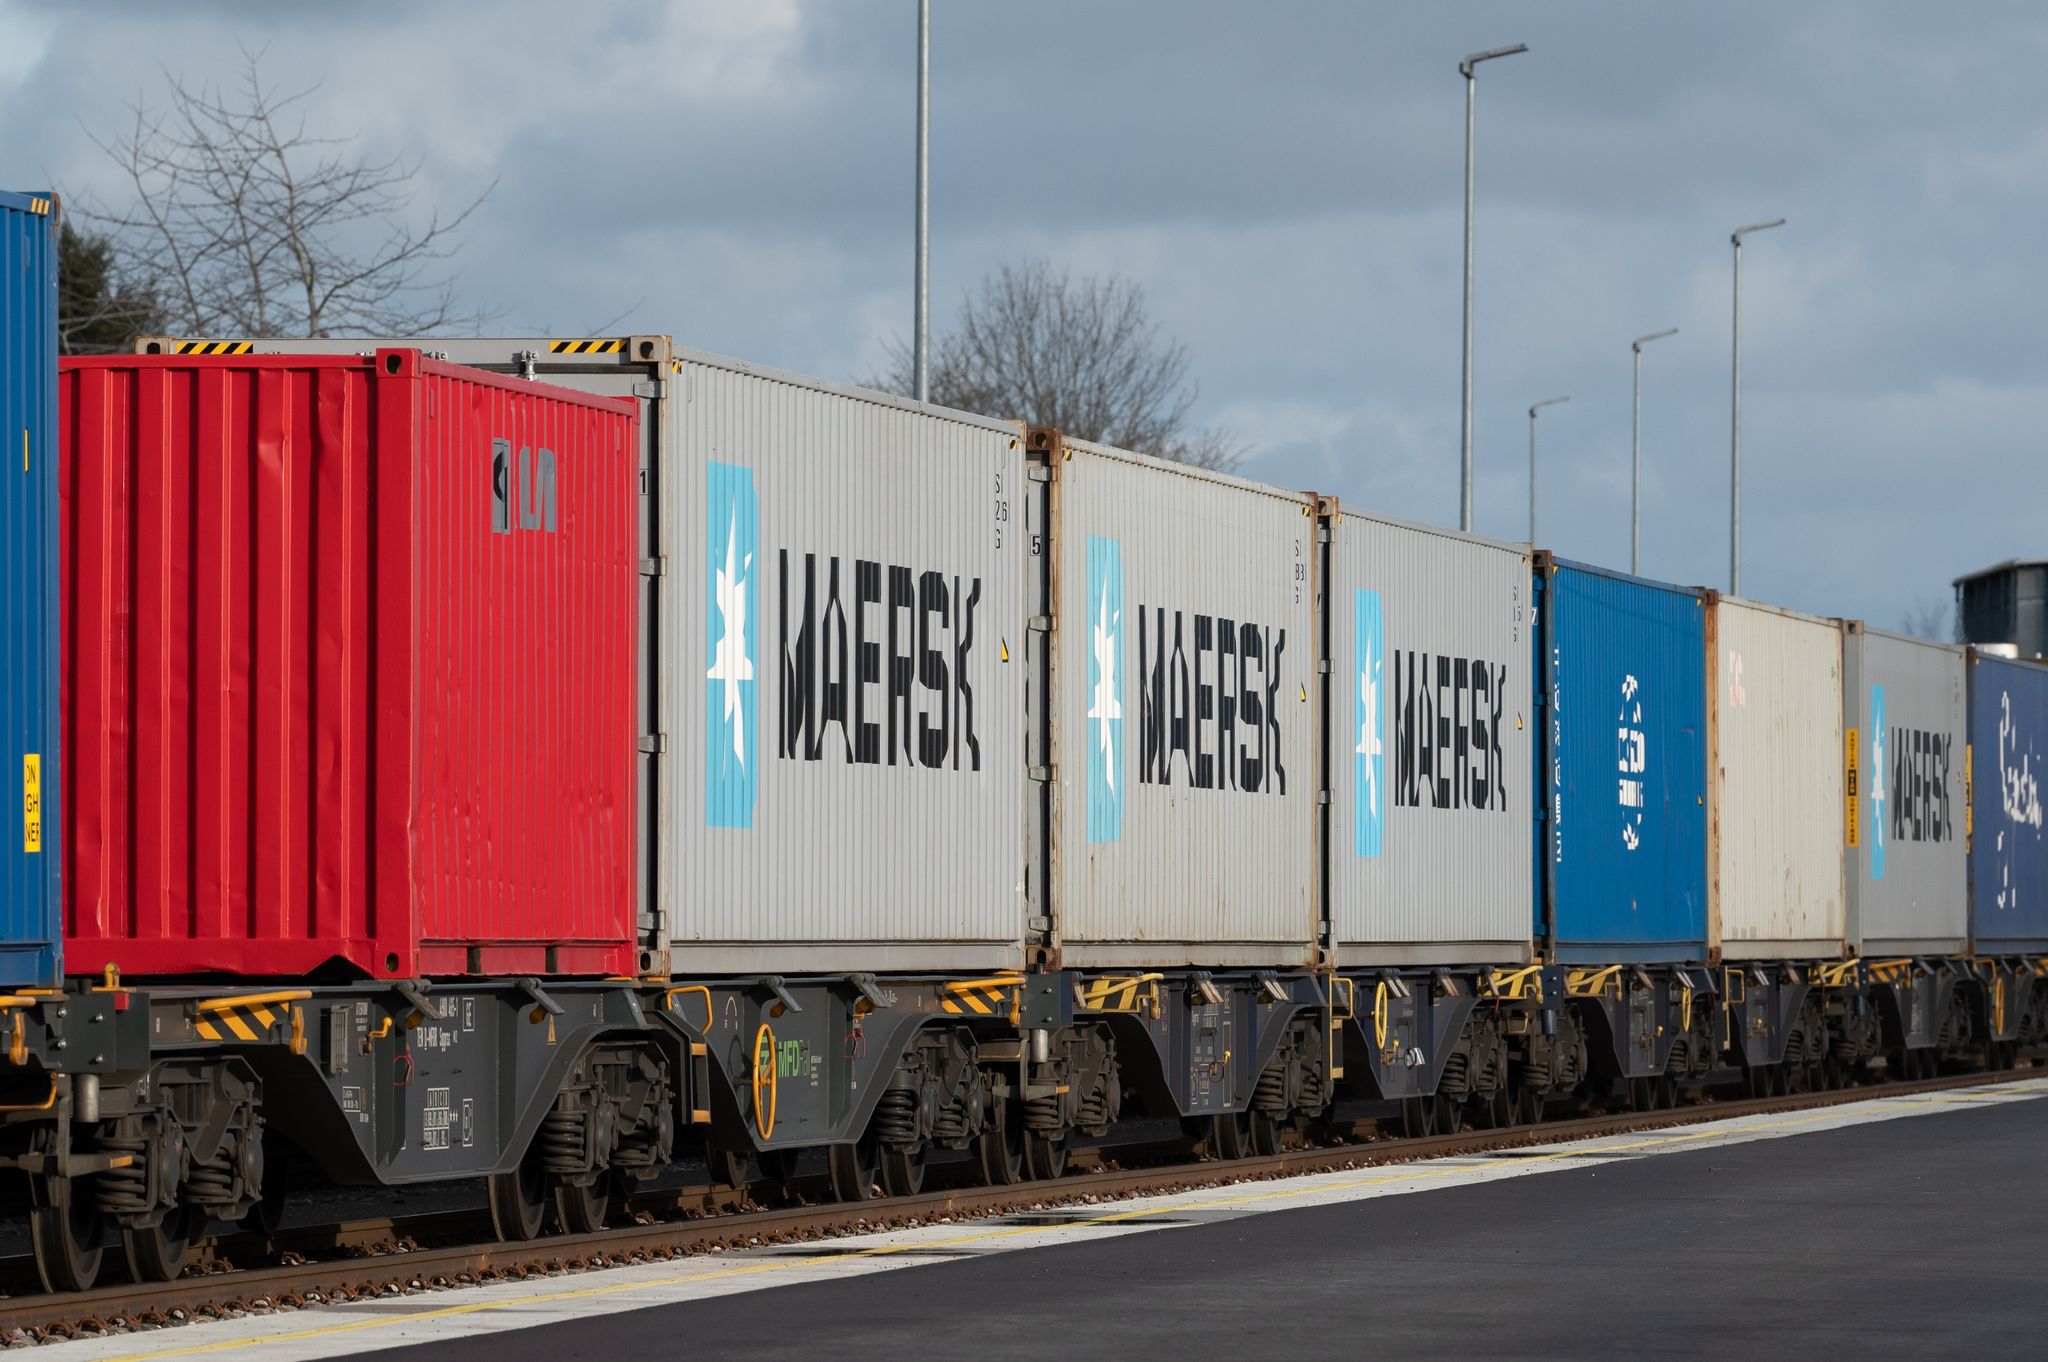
[{"x": 1843, "y": 1232}]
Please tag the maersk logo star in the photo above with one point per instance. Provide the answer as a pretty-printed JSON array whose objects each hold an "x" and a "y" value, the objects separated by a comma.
[
  {"x": 1369, "y": 726},
  {"x": 729, "y": 662},
  {"x": 1105, "y": 705}
]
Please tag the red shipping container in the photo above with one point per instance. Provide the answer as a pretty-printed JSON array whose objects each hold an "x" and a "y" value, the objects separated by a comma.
[{"x": 348, "y": 669}]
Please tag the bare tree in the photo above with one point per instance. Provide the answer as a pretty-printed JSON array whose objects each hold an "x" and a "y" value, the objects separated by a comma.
[
  {"x": 1082, "y": 354},
  {"x": 244, "y": 223},
  {"x": 1934, "y": 619}
]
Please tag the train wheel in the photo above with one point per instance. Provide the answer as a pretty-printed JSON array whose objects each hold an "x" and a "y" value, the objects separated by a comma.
[
  {"x": 1418, "y": 1117},
  {"x": 1450, "y": 1116},
  {"x": 70, "y": 1241},
  {"x": 1233, "y": 1134},
  {"x": 1001, "y": 1147},
  {"x": 1045, "y": 1159},
  {"x": 1267, "y": 1133},
  {"x": 1667, "y": 1093},
  {"x": 903, "y": 1171},
  {"x": 156, "y": 1253},
  {"x": 519, "y": 1201},
  {"x": 266, "y": 1217},
  {"x": 728, "y": 1166},
  {"x": 853, "y": 1170},
  {"x": 585, "y": 1209},
  {"x": 1529, "y": 1107}
]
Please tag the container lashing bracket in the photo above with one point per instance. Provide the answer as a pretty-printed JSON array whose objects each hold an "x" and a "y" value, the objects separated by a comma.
[
  {"x": 416, "y": 994},
  {"x": 1270, "y": 987},
  {"x": 542, "y": 1002},
  {"x": 868, "y": 987},
  {"x": 774, "y": 984}
]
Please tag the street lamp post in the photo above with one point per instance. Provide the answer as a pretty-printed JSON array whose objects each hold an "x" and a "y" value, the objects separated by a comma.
[
  {"x": 1735, "y": 417},
  {"x": 1468, "y": 69},
  {"x": 921, "y": 328},
  {"x": 1546, "y": 402},
  {"x": 1635, "y": 509}
]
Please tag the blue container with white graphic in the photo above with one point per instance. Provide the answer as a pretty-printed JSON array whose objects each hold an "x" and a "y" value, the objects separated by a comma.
[
  {"x": 2008, "y": 841},
  {"x": 1622, "y": 780},
  {"x": 30, "y": 862}
]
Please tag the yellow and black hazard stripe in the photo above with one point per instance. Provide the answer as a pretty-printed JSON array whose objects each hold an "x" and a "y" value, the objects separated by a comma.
[
  {"x": 230, "y": 1022},
  {"x": 976, "y": 997},
  {"x": 216, "y": 347},
  {"x": 1117, "y": 993},
  {"x": 587, "y": 347},
  {"x": 39, "y": 205}
]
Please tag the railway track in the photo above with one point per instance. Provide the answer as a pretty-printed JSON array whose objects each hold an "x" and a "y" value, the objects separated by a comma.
[{"x": 243, "y": 1273}]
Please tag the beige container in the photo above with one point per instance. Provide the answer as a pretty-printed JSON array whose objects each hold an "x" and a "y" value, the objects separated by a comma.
[{"x": 1777, "y": 811}]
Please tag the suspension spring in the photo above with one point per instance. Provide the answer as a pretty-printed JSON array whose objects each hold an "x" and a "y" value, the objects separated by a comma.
[
  {"x": 896, "y": 1118},
  {"x": 563, "y": 1147},
  {"x": 1456, "y": 1083},
  {"x": 124, "y": 1191},
  {"x": 210, "y": 1184},
  {"x": 1042, "y": 1116},
  {"x": 1270, "y": 1096}
]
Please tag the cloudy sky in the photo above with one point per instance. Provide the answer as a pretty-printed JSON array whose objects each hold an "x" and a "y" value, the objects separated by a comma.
[{"x": 1286, "y": 181}]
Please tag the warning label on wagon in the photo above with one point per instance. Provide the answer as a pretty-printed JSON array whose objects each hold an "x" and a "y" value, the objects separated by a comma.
[{"x": 31, "y": 802}]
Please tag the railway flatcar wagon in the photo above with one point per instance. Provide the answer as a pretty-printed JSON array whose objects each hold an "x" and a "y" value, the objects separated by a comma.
[
  {"x": 1905, "y": 704},
  {"x": 1775, "y": 790},
  {"x": 31, "y": 851},
  {"x": 2008, "y": 840}
]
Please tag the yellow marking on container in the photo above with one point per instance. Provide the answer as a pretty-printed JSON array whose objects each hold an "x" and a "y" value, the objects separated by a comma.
[
  {"x": 217, "y": 347},
  {"x": 24, "y": 449},
  {"x": 1849, "y": 789},
  {"x": 31, "y": 802},
  {"x": 586, "y": 347}
]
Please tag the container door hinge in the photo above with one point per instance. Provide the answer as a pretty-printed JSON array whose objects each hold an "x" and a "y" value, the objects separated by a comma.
[
  {"x": 1323, "y": 797},
  {"x": 1322, "y": 534},
  {"x": 1324, "y": 666},
  {"x": 654, "y": 744},
  {"x": 1038, "y": 922},
  {"x": 1038, "y": 473},
  {"x": 656, "y": 566},
  {"x": 1042, "y": 774},
  {"x": 1040, "y": 624},
  {"x": 649, "y": 388}
]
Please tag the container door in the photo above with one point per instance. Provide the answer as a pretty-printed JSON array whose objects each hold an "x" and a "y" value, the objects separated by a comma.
[
  {"x": 29, "y": 857},
  {"x": 2008, "y": 848}
]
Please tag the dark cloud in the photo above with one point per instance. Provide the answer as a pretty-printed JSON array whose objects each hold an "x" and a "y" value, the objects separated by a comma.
[{"x": 1286, "y": 181}]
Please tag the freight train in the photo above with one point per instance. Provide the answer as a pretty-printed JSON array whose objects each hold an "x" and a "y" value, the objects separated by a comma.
[{"x": 551, "y": 760}]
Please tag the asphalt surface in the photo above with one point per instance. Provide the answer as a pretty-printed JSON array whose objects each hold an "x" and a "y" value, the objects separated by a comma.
[{"x": 1915, "y": 1238}]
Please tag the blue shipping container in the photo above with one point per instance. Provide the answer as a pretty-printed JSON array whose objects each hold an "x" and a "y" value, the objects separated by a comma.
[
  {"x": 2008, "y": 851},
  {"x": 31, "y": 901},
  {"x": 1622, "y": 782}
]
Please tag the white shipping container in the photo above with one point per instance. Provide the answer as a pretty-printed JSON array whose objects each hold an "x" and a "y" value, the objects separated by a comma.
[
  {"x": 842, "y": 681},
  {"x": 1430, "y": 730},
  {"x": 1908, "y": 887},
  {"x": 1777, "y": 810},
  {"x": 1185, "y": 703}
]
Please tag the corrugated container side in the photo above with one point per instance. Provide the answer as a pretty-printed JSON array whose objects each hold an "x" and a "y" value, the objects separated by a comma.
[
  {"x": 31, "y": 854},
  {"x": 1186, "y": 711},
  {"x": 332, "y": 626},
  {"x": 2007, "y": 760},
  {"x": 844, "y": 662},
  {"x": 1430, "y": 739},
  {"x": 1623, "y": 767},
  {"x": 1777, "y": 754},
  {"x": 1908, "y": 717}
]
